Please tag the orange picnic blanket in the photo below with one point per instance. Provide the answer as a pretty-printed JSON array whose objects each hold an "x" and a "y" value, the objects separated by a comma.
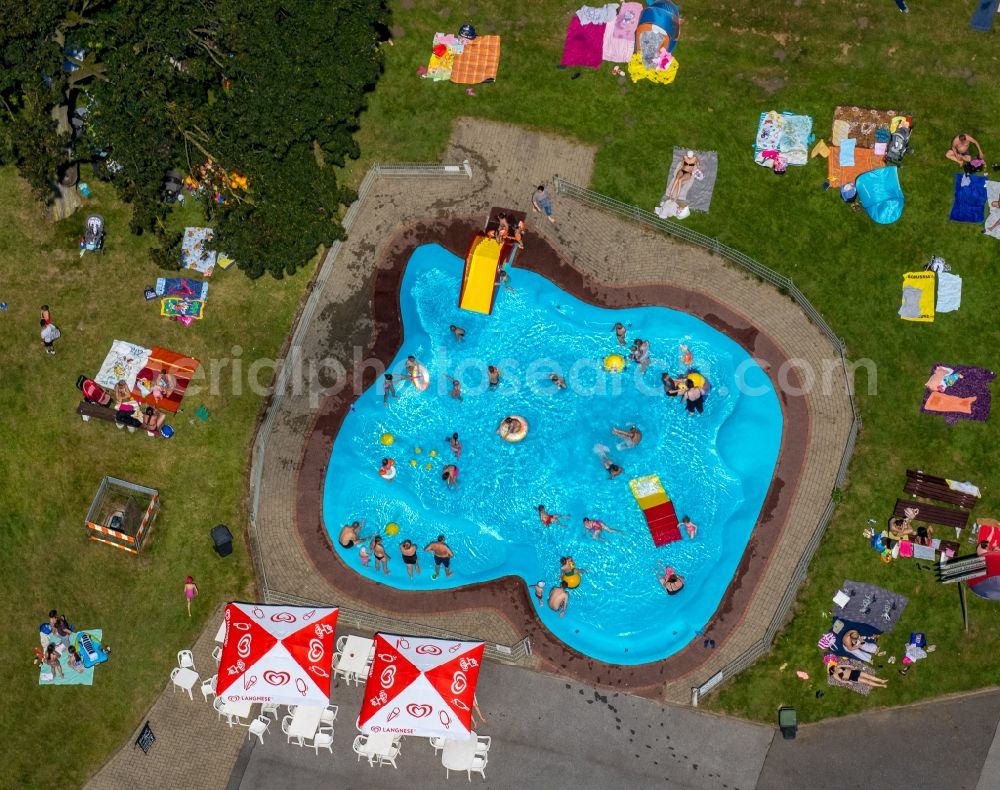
[
  {"x": 479, "y": 61},
  {"x": 939, "y": 401},
  {"x": 864, "y": 160},
  {"x": 164, "y": 379}
]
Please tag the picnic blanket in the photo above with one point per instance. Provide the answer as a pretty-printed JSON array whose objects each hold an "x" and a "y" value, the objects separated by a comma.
[
  {"x": 784, "y": 132},
  {"x": 584, "y": 44},
  {"x": 478, "y": 61},
  {"x": 70, "y": 677},
  {"x": 871, "y": 605},
  {"x": 858, "y": 688},
  {"x": 918, "y": 296},
  {"x": 195, "y": 252},
  {"x": 696, "y": 192},
  {"x": 949, "y": 296},
  {"x": 993, "y": 219},
  {"x": 446, "y": 47},
  {"x": 619, "y": 35},
  {"x": 970, "y": 198},
  {"x": 123, "y": 363},
  {"x": 162, "y": 360},
  {"x": 968, "y": 397},
  {"x": 174, "y": 306},
  {"x": 181, "y": 286},
  {"x": 982, "y": 17},
  {"x": 861, "y": 123},
  {"x": 865, "y": 160}
]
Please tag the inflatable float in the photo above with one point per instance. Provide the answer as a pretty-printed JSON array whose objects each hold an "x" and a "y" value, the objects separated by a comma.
[
  {"x": 512, "y": 434},
  {"x": 90, "y": 650},
  {"x": 421, "y": 377},
  {"x": 388, "y": 469},
  {"x": 572, "y": 575},
  {"x": 614, "y": 363}
]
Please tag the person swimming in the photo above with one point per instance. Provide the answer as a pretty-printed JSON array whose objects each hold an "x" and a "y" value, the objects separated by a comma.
[
  {"x": 388, "y": 470},
  {"x": 632, "y": 436},
  {"x": 458, "y": 332},
  {"x": 619, "y": 330},
  {"x": 595, "y": 527},
  {"x": 670, "y": 386},
  {"x": 671, "y": 581},
  {"x": 455, "y": 445},
  {"x": 548, "y": 519},
  {"x": 450, "y": 475},
  {"x": 388, "y": 389},
  {"x": 558, "y": 380},
  {"x": 456, "y": 388},
  {"x": 690, "y": 527}
]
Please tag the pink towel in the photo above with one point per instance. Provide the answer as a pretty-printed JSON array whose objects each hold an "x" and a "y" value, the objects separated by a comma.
[
  {"x": 619, "y": 36},
  {"x": 584, "y": 44}
]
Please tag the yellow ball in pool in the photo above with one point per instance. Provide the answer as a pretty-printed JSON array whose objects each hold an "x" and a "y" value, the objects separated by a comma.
[
  {"x": 392, "y": 528},
  {"x": 433, "y": 453},
  {"x": 614, "y": 363},
  {"x": 428, "y": 467},
  {"x": 413, "y": 462},
  {"x": 387, "y": 439},
  {"x": 417, "y": 450}
]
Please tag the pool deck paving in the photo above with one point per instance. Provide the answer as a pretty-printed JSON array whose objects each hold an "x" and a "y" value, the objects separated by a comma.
[{"x": 612, "y": 261}]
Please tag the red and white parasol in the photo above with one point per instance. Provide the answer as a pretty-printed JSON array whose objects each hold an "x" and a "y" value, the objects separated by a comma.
[
  {"x": 280, "y": 654},
  {"x": 421, "y": 686}
]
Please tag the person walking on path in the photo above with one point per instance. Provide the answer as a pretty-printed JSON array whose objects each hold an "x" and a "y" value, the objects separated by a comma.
[
  {"x": 541, "y": 202},
  {"x": 50, "y": 334},
  {"x": 190, "y": 591}
]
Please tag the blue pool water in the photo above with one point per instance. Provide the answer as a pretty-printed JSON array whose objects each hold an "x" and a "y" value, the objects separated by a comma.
[{"x": 716, "y": 466}]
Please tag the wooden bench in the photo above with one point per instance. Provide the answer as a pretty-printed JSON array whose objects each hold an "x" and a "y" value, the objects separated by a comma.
[
  {"x": 919, "y": 484},
  {"x": 87, "y": 410},
  {"x": 933, "y": 514}
]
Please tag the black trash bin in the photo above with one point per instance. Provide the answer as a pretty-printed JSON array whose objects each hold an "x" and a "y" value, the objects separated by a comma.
[
  {"x": 788, "y": 721},
  {"x": 222, "y": 540}
]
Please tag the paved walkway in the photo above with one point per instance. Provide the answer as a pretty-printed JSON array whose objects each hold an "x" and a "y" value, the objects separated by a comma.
[{"x": 507, "y": 162}]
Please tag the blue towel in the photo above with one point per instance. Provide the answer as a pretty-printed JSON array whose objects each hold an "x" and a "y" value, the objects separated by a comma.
[
  {"x": 847, "y": 152},
  {"x": 969, "y": 200},
  {"x": 982, "y": 18}
]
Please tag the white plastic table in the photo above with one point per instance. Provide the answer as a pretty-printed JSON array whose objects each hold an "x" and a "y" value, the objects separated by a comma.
[
  {"x": 237, "y": 710},
  {"x": 377, "y": 744},
  {"x": 305, "y": 722},
  {"x": 186, "y": 679},
  {"x": 220, "y": 635},
  {"x": 458, "y": 755},
  {"x": 354, "y": 657}
]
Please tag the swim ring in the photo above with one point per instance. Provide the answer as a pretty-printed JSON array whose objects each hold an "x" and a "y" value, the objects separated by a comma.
[
  {"x": 392, "y": 528},
  {"x": 388, "y": 472},
  {"x": 696, "y": 378},
  {"x": 572, "y": 579},
  {"x": 387, "y": 439},
  {"x": 614, "y": 363},
  {"x": 513, "y": 435},
  {"x": 421, "y": 378}
]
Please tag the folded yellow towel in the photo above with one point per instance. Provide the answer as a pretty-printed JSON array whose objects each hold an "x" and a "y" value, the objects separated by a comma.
[{"x": 820, "y": 149}]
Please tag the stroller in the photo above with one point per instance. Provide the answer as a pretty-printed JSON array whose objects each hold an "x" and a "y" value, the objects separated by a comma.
[
  {"x": 899, "y": 146},
  {"x": 172, "y": 183},
  {"x": 93, "y": 235}
]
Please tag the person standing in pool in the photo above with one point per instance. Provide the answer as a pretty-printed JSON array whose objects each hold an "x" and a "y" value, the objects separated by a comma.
[
  {"x": 456, "y": 388},
  {"x": 694, "y": 398},
  {"x": 409, "y": 551},
  {"x": 450, "y": 475},
  {"x": 442, "y": 556},
  {"x": 494, "y": 375},
  {"x": 619, "y": 330},
  {"x": 595, "y": 527},
  {"x": 539, "y": 589},
  {"x": 632, "y": 436},
  {"x": 455, "y": 445},
  {"x": 350, "y": 535},
  {"x": 670, "y": 388},
  {"x": 548, "y": 519},
  {"x": 388, "y": 389},
  {"x": 559, "y": 598},
  {"x": 458, "y": 332},
  {"x": 690, "y": 527},
  {"x": 671, "y": 581},
  {"x": 378, "y": 552}
]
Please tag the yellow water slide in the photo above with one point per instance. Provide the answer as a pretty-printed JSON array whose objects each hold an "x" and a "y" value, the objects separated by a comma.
[{"x": 479, "y": 279}]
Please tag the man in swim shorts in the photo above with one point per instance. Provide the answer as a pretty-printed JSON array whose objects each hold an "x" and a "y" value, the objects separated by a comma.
[
  {"x": 409, "y": 551},
  {"x": 690, "y": 527},
  {"x": 548, "y": 519},
  {"x": 456, "y": 388},
  {"x": 458, "y": 332},
  {"x": 560, "y": 382},
  {"x": 959, "y": 151},
  {"x": 442, "y": 556},
  {"x": 670, "y": 388},
  {"x": 350, "y": 534},
  {"x": 539, "y": 589},
  {"x": 613, "y": 469},
  {"x": 632, "y": 436},
  {"x": 450, "y": 475},
  {"x": 494, "y": 374},
  {"x": 559, "y": 598},
  {"x": 388, "y": 388},
  {"x": 595, "y": 527}
]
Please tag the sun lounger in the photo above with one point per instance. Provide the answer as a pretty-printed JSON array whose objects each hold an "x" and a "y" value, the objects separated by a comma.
[
  {"x": 919, "y": 484},
  {"x": 933, "y": 514}
]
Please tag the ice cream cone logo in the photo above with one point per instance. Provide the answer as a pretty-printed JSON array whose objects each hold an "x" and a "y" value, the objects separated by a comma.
[
  {"x": 392, "y": 714},
  {"x": 249, "y": 681}
]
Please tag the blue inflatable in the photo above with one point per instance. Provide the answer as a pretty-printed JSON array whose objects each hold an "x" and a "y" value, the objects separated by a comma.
[
  {"x": 89, "y": 650},
  {"x": 881, "y": 195},
  {"x": 659, "y": 28}
]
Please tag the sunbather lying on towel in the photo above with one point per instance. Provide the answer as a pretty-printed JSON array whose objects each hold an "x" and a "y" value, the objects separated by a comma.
[{"x": 683, "y": 174}]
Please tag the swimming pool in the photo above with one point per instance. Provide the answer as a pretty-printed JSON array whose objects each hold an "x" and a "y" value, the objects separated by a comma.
[{"x": 716, "y": 466}]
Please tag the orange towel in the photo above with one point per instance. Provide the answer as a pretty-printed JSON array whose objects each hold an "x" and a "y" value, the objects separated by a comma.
[
  {"x": 938, "y": 401},
  {"x": 163, "y": 360},
  {"x": 479, "y": 61},
  {"x": 864, "y": 160}
]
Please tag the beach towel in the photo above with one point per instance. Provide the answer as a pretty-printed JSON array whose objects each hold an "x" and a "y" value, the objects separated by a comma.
[
  {"x": 479, "y": 61},
  {"x": 846, "y": 155},
  {"x": 833, "y": 640},
  {"x": 696, "y": 192},
  {"x": 785, "y": 132},
  {"x": 584, "y": 44},
  {"x": 195, "y": 252},
  {"x": 865, "y": 160},
  {"x": 446, "y": 46},
  {"x": 949, "y": 296},
  {"x": 982, "y": 17},
  {"x": 123, "y": 363},
  {"x": 861, "y": 123},
  {"x": 70, "y": 677},
  {"x": 970, "y": 198},
  {"x": 858, "y": 688},
  {"x": 872, "y": 605},
  {"x": 597, "y": 15},
  {"x": 941, "y": 378},
  {"x": 972, "y": 390},
  {"x": 173, "y": 306},
  {"x": 918, "y": 296},
  {"x": 993, "y": 219},
  {"x": 619, "y": 35},
  {"x": 181, "y": 286},
  {"x": 162, "y": 360},
  {"x": 940, "y": 401}
]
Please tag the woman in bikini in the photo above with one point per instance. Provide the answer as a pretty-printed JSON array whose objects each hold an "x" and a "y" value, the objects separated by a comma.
[
  {"x": 847, "y": 674},
  {"x": 548, "y": 519},
  {"x": 455, "y": 445},
  {"x": 378, "y": 552},
  {"x": 683, "y": 174},
  {"x": 595, "y": 527}
]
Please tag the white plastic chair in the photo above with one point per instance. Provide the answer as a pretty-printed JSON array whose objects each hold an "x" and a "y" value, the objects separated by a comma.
[
  {"x": 185, "y": 659},
  {"x": 389, "y": 758},
  {"x": 208, "y": 687},
  {"x": 217, "y": 654},
  {"x": 258, "y": 727},
  {"x": 437, "y": 744},
  {"x": 483, "y": 744},
  {"x": 286, "y": 724},
  {"x": 329, "y": 715},
  {"x": 479, "y": 766},
  {"x": 270, "y": 707},
  {"x": 359, "y": 744},
  {"x": 290, "y": 709},
  {"x": 173, "y": 678},
  {"x": 323, "y": 738},
  {"x": 341, "y": 641},
  {"x": 218, "y": 703}
]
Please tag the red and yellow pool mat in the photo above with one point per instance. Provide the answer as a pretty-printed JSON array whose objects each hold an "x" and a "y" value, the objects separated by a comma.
[{"x": 661, "y": 518}]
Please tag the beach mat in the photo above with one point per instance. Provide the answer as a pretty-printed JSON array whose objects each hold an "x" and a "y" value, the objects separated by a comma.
[
  {"x": 479, "y": 61},
  {"x": 949, "y": 296},
  {"x": 619, "y": 36},
  {"x": 785, "y": 132},
  {"x": 697, "y": 193},
  {"x": 969, "y": 199},
  {"x": 70, "y": 677},
  {"x": 982, "y": 17},
  {"x": 166, "y": 361},
  {"x": 992, "y": 196},
  {"x": 870, "y": 604},
  {"x": 918, "y": 296},
  {"x": 173, "y": 307},
  {"x": 123, "y": 363},
  {"x": 865, "y": 160},
  {"x": 584, "y": 44},
  {"x": 975, "y": 383},
  {"x": 181, "y": 286},
  {"x": 195, "y": 254},
  {"x": 861, "y": 123}
]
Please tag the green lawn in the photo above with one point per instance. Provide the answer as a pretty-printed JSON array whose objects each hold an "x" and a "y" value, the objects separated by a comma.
[{"x": 737, "y": 60}]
